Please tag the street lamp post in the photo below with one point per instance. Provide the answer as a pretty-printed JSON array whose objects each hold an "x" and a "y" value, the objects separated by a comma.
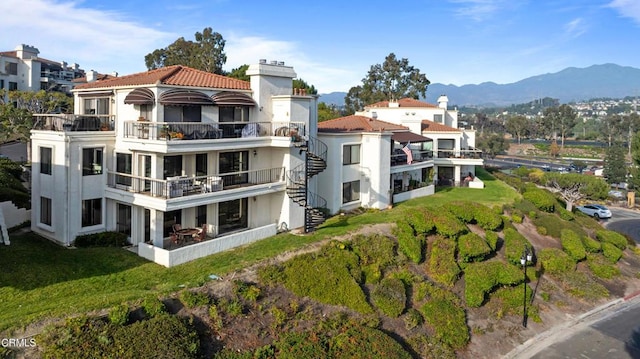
[{"x": 526, "y": 257}]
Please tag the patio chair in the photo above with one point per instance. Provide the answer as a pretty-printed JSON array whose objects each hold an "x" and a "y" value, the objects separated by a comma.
[
  {"x": 202, "y": 234},
  {"x": 174, "y": 238},
  {"x": 176, "y": 227}
]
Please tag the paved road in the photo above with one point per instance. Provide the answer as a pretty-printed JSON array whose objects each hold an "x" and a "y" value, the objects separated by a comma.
[
  {"x": 16, "y": 151},
  {"x": 625, "y": 221}
]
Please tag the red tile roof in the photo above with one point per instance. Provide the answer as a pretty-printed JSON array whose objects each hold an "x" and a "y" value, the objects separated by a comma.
[
  {"x": 403, "y": 102},
  {"x": 431, "y": 126},
  {"x": 357, "y": 123},
  {"x": 172, "y": 75}
]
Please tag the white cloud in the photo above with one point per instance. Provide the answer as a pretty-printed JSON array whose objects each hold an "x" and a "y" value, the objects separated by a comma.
[
  {"x": 478, "y": 10},
  {"x": 575, "y": 27},
  {"x": 627, "y": 8},
  {"x": 326, "y": 78},
  {"x": 102, "y": 40}
]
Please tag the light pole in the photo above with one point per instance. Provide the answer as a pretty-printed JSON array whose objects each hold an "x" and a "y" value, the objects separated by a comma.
[{"x": 526, "y": 257}]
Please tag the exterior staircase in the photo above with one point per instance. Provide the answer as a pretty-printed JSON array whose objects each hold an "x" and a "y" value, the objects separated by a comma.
[{"x": 315, "y": 152}]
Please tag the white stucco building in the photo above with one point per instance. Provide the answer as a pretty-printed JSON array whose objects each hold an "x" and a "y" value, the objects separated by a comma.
[
  {"x": 179, "y": 146},
  {"x": 368, "y": 160}
]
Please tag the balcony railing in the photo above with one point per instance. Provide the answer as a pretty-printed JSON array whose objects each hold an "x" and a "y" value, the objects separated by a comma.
[
  {"x": 72, "y": 123},
  {"x": 213, "y": 130},
  {"x": 180, "y": 186},
  {"x": 400, "y": 158},
  {"x": 448, "y": 153}
]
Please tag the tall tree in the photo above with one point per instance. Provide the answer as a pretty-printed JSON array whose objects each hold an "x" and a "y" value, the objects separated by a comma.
[
  {"x": 615, "y": 168},
  {"x": 327, "y": 112},
  {"x": 302, "y": 84},
  {"x": 206, "y": 53},
  {"x": 392, "y": 80},
  {"x": 517, "y": 126},
  {"x": 240, "y": 73},
  {"x": 560, "y": 120},
  {"x": 573, "y": 187},
  {"x": 492, "y": 145}
]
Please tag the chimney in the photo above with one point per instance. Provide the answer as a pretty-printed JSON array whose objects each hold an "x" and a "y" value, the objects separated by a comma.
[
  {"x": 263, "y": 61},
  {"x": 443, "y": 101},
  {"x": 92, "y": 76}
]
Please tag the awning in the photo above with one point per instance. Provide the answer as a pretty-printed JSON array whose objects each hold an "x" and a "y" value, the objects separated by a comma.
[
  {"x": 140, "y": 96},
  {"x": 184, "y": 98},
  {"x": 105, "y": 93},
  {"x": 229, "y": 98},
  {"x": 405, "y": 136}
]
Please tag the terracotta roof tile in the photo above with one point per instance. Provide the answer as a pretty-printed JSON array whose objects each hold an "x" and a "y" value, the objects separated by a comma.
[
  {"x": 403, "y": 102},
  {"x": 357, "y": 123},
  {"x": 172, "y": 75},
  {"x": 9, "y": 53},
  {"x": 431, "y": 126}
]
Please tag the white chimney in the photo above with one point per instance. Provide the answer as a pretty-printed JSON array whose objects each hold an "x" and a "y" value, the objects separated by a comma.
[{"x": 442, "y": 101}]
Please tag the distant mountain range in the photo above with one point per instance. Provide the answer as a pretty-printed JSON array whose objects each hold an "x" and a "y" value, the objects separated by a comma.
[{"x": 570, "y": 84}]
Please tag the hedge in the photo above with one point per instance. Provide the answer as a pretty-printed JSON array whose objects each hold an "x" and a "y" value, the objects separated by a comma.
[
  {"x": 514, "y": 245},
  {"x": 472, "y": 247},
  {"x": 612, "y": 237},
  {"x": 462, "y": 211},
  {"x": 442, "y": 262},
  {"x": 480, "y": 278},
  {"x": 492, "y": 239},
  {"x": 591, "y": 245},
  {"x": 448, "y": 225},
  {"x": 102, "y": 239},
  {"x": 611, "y": 252},
  {"x": 374, "y": 249},
  {"x": 542, "y": 199},
  {"x": 555, "y": 261},
  {"x": 409, "y": 243},
  {"x": 421, "y": 219},
  {"x": 448, "y": 321},
  {"x": 390, "y": 297},
  {"x": 601, "y": 267},
  {"x": 487, "y": 219},
  {"x": 572, "y": 245}
]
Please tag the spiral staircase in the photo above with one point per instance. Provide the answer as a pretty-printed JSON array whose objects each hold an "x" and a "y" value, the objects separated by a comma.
[{"x": 315, "y": 155}]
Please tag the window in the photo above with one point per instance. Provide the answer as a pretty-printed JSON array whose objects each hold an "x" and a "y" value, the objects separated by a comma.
[
  {"x": 171, "y": 218},
  {"x": 437, "y": 118},
  {"x": 123, "y": 221},
  {"x": 11, "y": 68},
  {"x": 91, "y": 212},
  {"x": 123, "y": 165},
  {"x": 351, "y": 154},
  {"x": 13, "y": 86},
  {"x": 350, "y": 191},
  {"x": 201, "y": 164},
  {"x": 172, "y": 166},
  {"x": 96, "y": 106},
  {"x": 234, "y": 114},
  {"x": 45, "y": 210},
  {"x": 233, "y": 162},
  {"x": 91, "y": 161},
  {"x": 232, "y": 215},
  {"x": 1, "y": 84},
  {"x": 201, "y": 215},
  {"x": 182, "y": 114},
  {"x": 45, "y": 160}
]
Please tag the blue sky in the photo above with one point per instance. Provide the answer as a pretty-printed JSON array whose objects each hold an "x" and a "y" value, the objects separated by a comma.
[{"x": 332, "y": 44}]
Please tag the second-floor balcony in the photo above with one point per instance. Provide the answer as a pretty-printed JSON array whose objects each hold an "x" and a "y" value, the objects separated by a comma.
[
  {"x": 400, "y": 158},
  {"x": 166, "y": 131},
  {"x": 73, "y": 123},
  {"x": 180, "y": 186}
]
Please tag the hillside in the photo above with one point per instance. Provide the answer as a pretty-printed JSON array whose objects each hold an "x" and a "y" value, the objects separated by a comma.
[{"x": 570, "y": 84}]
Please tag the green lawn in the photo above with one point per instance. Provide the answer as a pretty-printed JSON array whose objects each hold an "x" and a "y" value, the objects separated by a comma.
[{"x": 40, "y": 279}]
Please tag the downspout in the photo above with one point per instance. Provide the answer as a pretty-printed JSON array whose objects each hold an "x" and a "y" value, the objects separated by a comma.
[{"x": 67, "y": 165}]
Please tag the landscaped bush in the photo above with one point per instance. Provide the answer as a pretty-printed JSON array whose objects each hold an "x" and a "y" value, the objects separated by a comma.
[
  {"x": 510, "y": 300},
  {"x": 429, "y": 347},
  {"x": 554, "y": 225},
  {"x": 514, "y": 245},
  {"x": 581, "y": 285},
  {"x": 600, "y": 267},
  {"x": 572, "y": 245},
  {"x": 492, "y": 239},
  {"x": 462, "y": 211},
  {"x": 472, "y": 247},
  {"x": 374, "y": 249},
  {"x": 295, "y": 345},
  {"x": 480, "y": 278},
  {"x": 516, "y": 218},
  {"x": 194, "y": 299},
  {"x": 103, "y": 239},
  {"x": 448, "y": 320},
  {"x": 542, "y": 199},
  {"x": 390, "y": 297},
  {"x": 410, "y": 244},
  {"x": 555, "y": 261},
  {"x": 421, "y": 219},
  {"x": 364, "y": 342},
  {"x": 611, "y": 252},
  {"x": 412, "y": 318},
  {"x": 487, "y": 219},
  {"x": 119, "y": 315},
  {"x": 152, "y": 306},
  {"x": 249, "y": 291},
  {"x": 615, "y": 238},
  {"x": 442, "y": 261},
  {"x": 564, "y": 214},
  {"x": 448, "y": 225},
  {"x": 591, "y": 245},
  {"x": 329, "y": 277}
]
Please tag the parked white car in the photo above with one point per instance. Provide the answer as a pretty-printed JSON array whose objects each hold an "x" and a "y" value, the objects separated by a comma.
[{"x": 595, "y": 210}]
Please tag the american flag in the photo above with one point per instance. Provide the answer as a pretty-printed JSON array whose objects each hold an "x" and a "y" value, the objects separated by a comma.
[{"x": 407, "y": 150}]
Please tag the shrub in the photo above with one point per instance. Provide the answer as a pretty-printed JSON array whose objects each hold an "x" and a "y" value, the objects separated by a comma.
[
  {"x": 152, "y": 306},
  {"x": 572, "y": 245},
  {"x": 472, "y": 247},
  {"x": 542, "y": 230},
  {"x": 119, "y": 315},
  {"x": 374, "y": 249},
  {"x": 591, "y": 245},
  {"x": 516, "y": 218},
  {"x": 532, "y": 214},
  {"x": 564, "y": 214},
  {"x": 193, "y": 299},
  {"x": 448, "y": 321},
  {"x": 409, "y": 244},
  {"x": 429, "y": 347},
  {"x": 248, "y": 291},
  {"x": 600, "y": 267},
  {"x": 581, "y": 285},
  {"x": 294, "y": 345},
  {"x": 611, "y": 252},
  {"x": 364, "y": 342},
  {"x": 390, "y": 297},
  {"x": 615, "y": 238},
  {"x": 487, "y": 219},
  {"x": 514, "y": 245},
  {"x": 442, "y": 262},
  {"x": 421, "y": 219},
  {"x": 448, "y": 225},
  {"x": 492, "y": 239},
  {"x": 461, "y": 211},
  {"x": 103, "y": 239},
  {"x": 412, "y": 318},
  {"x": 480, "y": 278},
  {"x": 542, "y": 199},
  {"x": 555, "y": 261}
]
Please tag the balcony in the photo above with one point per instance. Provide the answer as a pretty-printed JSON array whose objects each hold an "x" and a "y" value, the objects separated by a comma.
[
  {"x": 73, "y": 123},
  {"x": 167, "y": 131},
  {"x": 399, "y": 158},
  {"x": 467, "y": 154},
  {"x": 181, "y": 186}
]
